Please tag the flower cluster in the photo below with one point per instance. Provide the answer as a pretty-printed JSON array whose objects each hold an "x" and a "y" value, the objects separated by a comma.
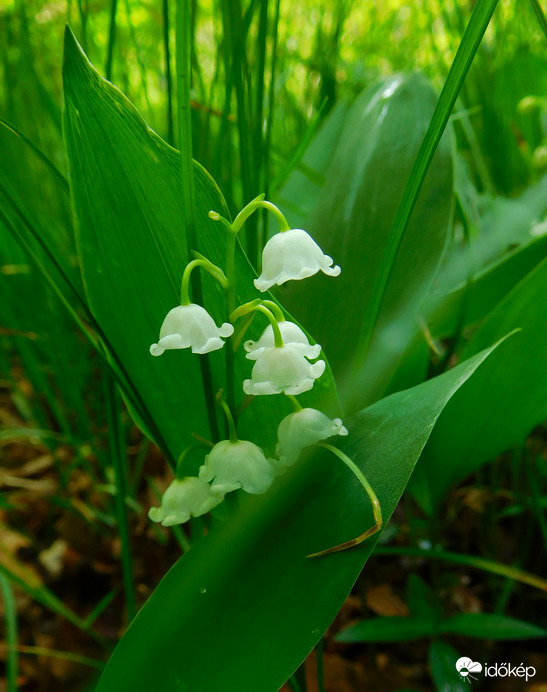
[{"x": 284, "y": 362}]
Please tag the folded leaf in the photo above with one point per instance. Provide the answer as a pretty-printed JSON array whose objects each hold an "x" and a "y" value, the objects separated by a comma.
[
  {"x": 247, "y": 590},
  {"x": 502, "y": 404},
  {"x": 353, "y": 218}
]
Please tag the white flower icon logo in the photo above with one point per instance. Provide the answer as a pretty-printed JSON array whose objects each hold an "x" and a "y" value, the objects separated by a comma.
[{"x": 466, "y": 667}]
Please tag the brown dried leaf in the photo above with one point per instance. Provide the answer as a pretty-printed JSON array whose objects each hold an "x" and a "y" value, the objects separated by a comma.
[{"x": 383, "y": 601}]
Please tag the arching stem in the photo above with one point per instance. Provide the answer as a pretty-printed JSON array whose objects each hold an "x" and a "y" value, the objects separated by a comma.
[
  {"x": 259, "y": 203},
  {"x": 376, "y": 509},
  {"x": 215, "y": 272},
  {"x": 278, "y": 339},
  {"x": 229, "y": 418},
  {"x": 258, "y": 306},
  {"x": 274, "y": 307},
  {"x": 294, "y": 401},
  {"x": 180, "y": 474}
]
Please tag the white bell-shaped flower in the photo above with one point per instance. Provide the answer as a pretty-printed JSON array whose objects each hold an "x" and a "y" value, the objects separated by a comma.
[
  {"x": 282, "y": 369},
  {"x": 292, "y": 336},
  {"x": 183, "y": 499},
  {"x": 239, "y": 464},
  {"x": 303, "y": 428},
  {"x": 191, "y": 326},
  {"x": 292, "y": 254}
]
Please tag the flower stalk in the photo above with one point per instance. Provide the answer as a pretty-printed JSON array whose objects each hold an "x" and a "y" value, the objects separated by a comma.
[
  {"x": 214, "y": 271},
  {"x": 229, "y": 418},
  {"x": 376, "y": 508},
  {"x": 259, "y": 305},
  {"x": 259, "y": 203}
]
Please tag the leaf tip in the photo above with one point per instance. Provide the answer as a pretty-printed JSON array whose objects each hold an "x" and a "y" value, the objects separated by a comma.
[
  {"x": 73, "y": 53},
  {"x": 70, "y": 42}
]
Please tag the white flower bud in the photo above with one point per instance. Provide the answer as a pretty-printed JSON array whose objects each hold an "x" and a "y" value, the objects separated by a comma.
[
  {"x": 191, "y": 326},
  {"x": 292, "y": 254},
  {"x": 240, "y": 464},
  {"x": 282, "y": 370},
  {"x": 183, "y": 499},
  {"x": 292, "y": 336},
  {"x": 303, "y": 428}
]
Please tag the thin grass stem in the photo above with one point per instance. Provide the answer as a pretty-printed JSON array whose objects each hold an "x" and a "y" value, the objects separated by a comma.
[
  {"x": 540, "y": 15},
  {"x": 470, "y": 42},
  {"x": 117, "y": 448},
  {"x": 111, "y": 40},
  {"x": 10, "y": 625},
  {"x": 183, "y": 61},
  {"x": 54, "y": 653},
  {"x": 168, "y": 77}
]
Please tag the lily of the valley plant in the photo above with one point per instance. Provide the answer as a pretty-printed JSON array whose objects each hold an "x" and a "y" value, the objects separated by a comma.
[{"x": 284, "y": 363}]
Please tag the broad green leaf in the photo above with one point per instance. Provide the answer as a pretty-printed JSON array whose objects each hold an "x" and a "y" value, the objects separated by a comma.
[
  {"x": 442, "y": 662},
  {"x": 131, "y": 238},
  {"x": 300, "y": 194},
  {"x": 382, "y": 133},
  {"x": 485, "y": 626},
  {"x": 500, "y": 226},
  {"x": 476, "y": 625},
  {"x": 502, "y": 404},
  {"x": 248, "y": 590},
  {"x": 486, "y": 289},
  {"x": 361, "y": 382},
  {"x": 392, "y": 629}
]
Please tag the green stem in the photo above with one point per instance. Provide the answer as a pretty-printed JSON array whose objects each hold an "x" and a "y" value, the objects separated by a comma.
[
  {"x": 498, "y": 568},
  {"x": 215, "y": 216},
  {"x": 274, "y": 307},
  {"x": 10, "y": 620},
  {"x": 111, "y": 40},
  {"x": 213, "y": 270},
  {"x": 183, "y": 51},
  {"x": 229, "y": 417},
  {"x": 376, "y": 509},
  {"x": 183, "y": 40},
  {"x": 540, "y": 15},
  {"x": 278, "y": 339},
  {"x": 25, "y": 581},
  {"x": 258, "y": 305},
  {"x": 180, "y": 474},
  {"x": 168, "y": 78},
  {"x": 474, "y": 32},
  {"x": 294, "y": 401},
  {"x": 245, "y": 309},
  {"x": 119, "y": 460},
  {"x": 259, "y": 203},
  {"x": 230, "y": 273},
  {"x": 230, "y": 307}
]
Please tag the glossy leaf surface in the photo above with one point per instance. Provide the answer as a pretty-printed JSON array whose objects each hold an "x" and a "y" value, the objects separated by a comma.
[
  {"x": 510, "y": 388},
  {"x": 352, "y": 221},
  {"x": 248, "y": 590}
]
